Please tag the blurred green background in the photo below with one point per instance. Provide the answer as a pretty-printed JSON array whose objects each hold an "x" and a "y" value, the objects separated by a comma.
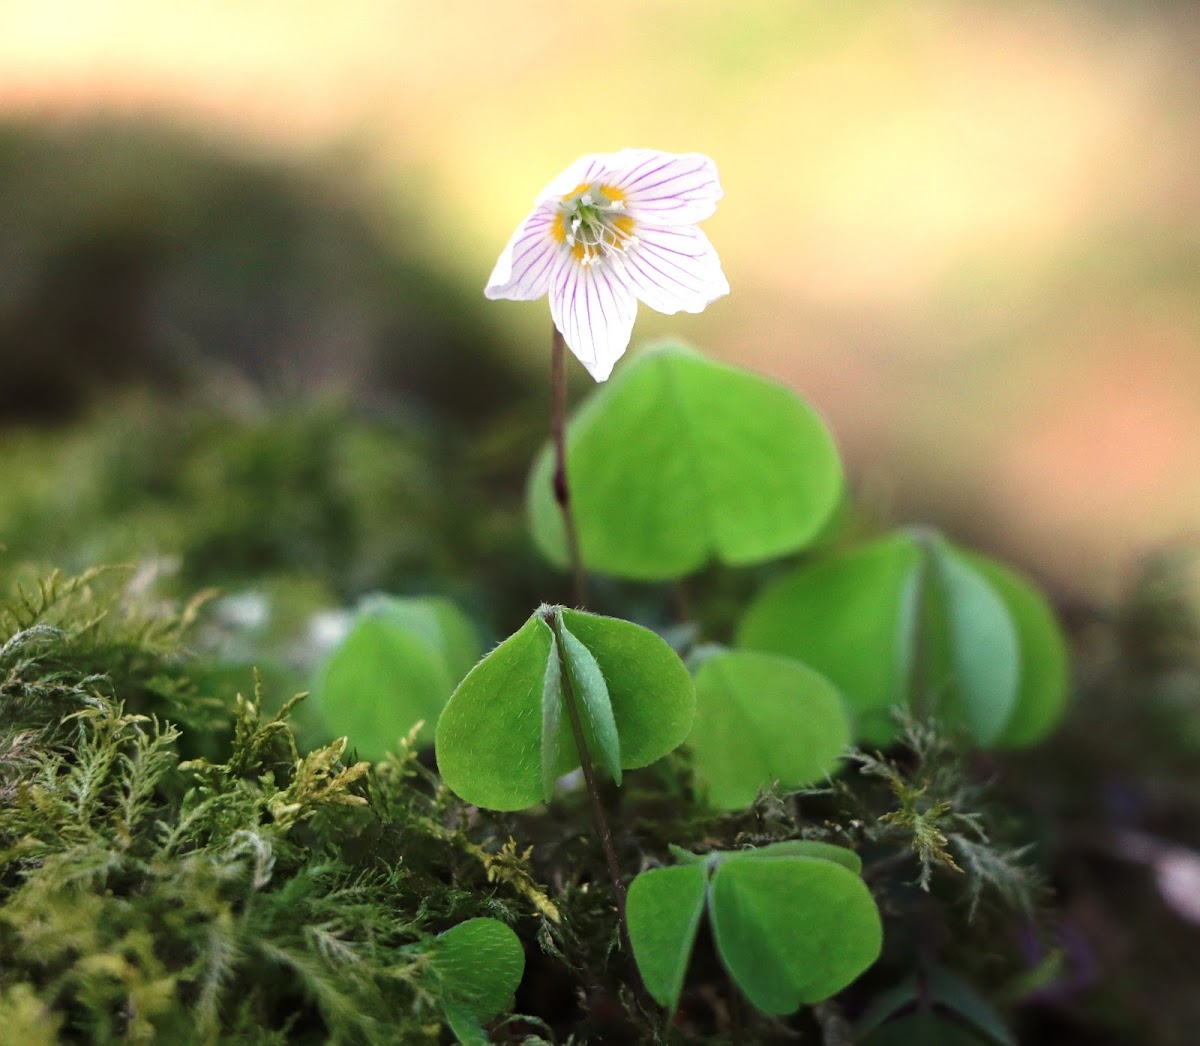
[{"x": 968, "y": 231}]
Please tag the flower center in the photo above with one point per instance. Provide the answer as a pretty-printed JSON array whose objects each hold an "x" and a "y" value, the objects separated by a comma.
[{"x": 591, "y": 222}]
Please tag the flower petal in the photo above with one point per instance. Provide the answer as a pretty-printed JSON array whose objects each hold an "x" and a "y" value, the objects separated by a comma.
[
  {"x": 667, "y": 188},
  {"x": 594, "y": 309},
  {"x": 674, "y": 270},
  {"x": 527, "y": 262},
  {"x": 589, "y": 168}
]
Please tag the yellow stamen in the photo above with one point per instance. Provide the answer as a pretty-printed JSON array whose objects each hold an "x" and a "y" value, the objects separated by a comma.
[
  {"x": 609, "y": 192},
  {"x": 590, "y": 222}
]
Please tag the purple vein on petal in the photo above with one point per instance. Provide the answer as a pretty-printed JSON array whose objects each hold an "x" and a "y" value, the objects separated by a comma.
[
  {"x": 679, "y": 283},
  {"x": 653, "y": 238},
  {"x": 629, "y": 184},
  {"x": 547, "y": 262},
  {"x": 667, "y": 180}
]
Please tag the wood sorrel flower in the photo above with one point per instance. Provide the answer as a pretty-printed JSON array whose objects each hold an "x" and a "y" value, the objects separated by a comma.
[{"x": 613, "y": 228}]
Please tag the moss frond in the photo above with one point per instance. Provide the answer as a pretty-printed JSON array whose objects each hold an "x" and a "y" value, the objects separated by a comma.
[{"x": 264, "y": 894}]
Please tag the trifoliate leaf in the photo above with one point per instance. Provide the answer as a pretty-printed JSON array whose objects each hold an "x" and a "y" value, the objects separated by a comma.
[
  {"x": 911, "y": 621},
  {"x": 679, "y": 460},
  {"x": 946, "y": 987},
  {"x": 503, "y": 739},
  {"x": 439, "y": 622},
  {"x": 552, "y": 722},
  {"x": 396, "y": 666},
  {"x": 596, "y": 711},
  {"x": 927, "y": 1027},
  {"x": 850, "y": 618},
  {"x": 802, "y": 848},
  {"x": 653, "y": 700},
  {"x": 762, "y": 718},
  {"x": 489, "y": 737},
  {"x": 1042, "y": 693},
  {"x": 982, "y": 647},
  {"x": 792, "y": 930},
  {"x": 476, "y": 967},
  {"x": 663, "y": 910}
]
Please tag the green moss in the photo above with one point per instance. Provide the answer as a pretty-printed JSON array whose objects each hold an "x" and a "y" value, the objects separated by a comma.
[{"x": 272, "y": 893}]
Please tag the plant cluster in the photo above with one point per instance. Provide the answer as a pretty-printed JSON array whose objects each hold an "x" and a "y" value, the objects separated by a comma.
[
  {"x": 748, "y": 820},
  {"x": 842, "y": 647}
]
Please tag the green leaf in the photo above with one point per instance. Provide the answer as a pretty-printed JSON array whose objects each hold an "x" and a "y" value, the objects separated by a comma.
[
  {"x": 396, "y": 666},
  {"x": 887, "y": 1004},
  {"x": 503, "y": 739},
  {"x": 792, "y": 930},
  {"x": 552, "y": 721},
  {"x": 678, "y": 460},
  {"x": 802, "y": 848},
  {"x": 983, "y": 651},
  {"x": 850, "y": 618},
  {"x": 684, "y": 856},
  {"x": 990, "y": 653},
  {"x": 1045, "y": 671},
  {"x": 476, "y": 967},
  {"x": 465, "y": 1025},
  {"x": 599, "y": 725},
  {"x": 653, "y": 700},
  {"x": 954, "y": 992},
  {"x": 444, "y": 627},
  {"x": 489, "y": 738},
  {"x": 663, "y": 910},
  {"x": 762, "y": 718},
  {"x": 938, "y": 986},
  {"x": 925, "y": 1027}
]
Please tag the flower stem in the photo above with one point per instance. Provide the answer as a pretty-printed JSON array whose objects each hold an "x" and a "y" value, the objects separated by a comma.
[
  {"x": 920, "y": 697},
  {"x": 589, "y": 779},
  {"x": 562, "y": 492}
]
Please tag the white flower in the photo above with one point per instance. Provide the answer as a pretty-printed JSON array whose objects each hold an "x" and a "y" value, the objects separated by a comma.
[{"x": 613, "y": 228}]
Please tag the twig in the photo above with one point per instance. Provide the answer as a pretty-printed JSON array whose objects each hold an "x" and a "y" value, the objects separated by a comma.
[{"x": 835, "y": 1029}]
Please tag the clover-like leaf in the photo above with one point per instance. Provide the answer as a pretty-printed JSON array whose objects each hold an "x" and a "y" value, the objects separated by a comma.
[
  {"x": 653, "y": 699},
  {"x": 715, "y": 463},
  {"x": 847, "y": 858},
  {"x": 663, "y": 910},
  {"x": 927, "y": 1027},
  {"x": 912, "y": 621},
  {"x": 439, "y": 622},
  {"x": 849, "y": 617},
  {"x": 957, "y": 994},
  {"x": 934, "y": 986},
  {"x": 792, "y": 921},
  {"x": 763, "y": 718},
  {"x": 475, "y": 967},
  {"x": 792, "y": 930},
  {"x": 489, "y": 737},
  {"x": 981, "y": 645},
  {"x": 505, "y": 735},
  {"x": 599, "y": 722},
  {"x": 1042, "y": 692},
  {"x": 396, "y": 666}
]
